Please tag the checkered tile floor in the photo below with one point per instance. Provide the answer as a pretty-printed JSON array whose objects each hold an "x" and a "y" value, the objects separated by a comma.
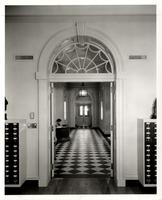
[{"x": 87, "y": 154}]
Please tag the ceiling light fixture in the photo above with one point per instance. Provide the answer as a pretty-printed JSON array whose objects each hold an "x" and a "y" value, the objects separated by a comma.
[{"x": 83, "y": 92}]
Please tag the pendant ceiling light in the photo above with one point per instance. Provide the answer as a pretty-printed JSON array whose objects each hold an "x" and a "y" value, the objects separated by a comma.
[{"x": 83, "y": 91}]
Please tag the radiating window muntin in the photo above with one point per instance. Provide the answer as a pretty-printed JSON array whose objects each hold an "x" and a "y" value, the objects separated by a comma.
[{"x": 82, "y": 54}]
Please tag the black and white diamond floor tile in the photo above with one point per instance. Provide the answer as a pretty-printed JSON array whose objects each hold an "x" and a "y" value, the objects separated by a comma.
[{"x": 80, "y": 157}]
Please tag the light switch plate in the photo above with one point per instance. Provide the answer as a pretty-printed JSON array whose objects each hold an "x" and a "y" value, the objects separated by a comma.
[
  {"x": 32, "y": 125},
  {"x": 31, "y": 115}
]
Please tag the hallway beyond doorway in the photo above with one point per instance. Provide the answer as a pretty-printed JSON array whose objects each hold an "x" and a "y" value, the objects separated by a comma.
[{"x": 87, "y": 154}]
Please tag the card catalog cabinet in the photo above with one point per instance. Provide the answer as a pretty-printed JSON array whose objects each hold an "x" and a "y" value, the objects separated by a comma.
[
  {"x": 15, "y": 153},
  {"x": 147, "y": 152}
]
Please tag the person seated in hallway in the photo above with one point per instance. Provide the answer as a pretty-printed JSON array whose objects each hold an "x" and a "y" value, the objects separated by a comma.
[
  {"x": 58, "y": 123},
  {"x": 62, "y": 132}
]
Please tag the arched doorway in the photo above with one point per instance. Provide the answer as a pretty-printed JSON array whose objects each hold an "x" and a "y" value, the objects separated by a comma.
[
  {"x": 78, "y": 56},
  {"x": 53, "y": 74}
]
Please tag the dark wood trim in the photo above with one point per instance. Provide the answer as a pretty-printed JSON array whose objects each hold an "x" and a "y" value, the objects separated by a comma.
[
  {"x": 137, "y": 184},
  {"x": 28, "y": 184},
  {"x": 80, "y": 186},
  {"x": 132, "y": 182}
]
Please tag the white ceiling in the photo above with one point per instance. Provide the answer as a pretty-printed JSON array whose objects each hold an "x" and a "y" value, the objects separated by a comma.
[{"x": 81, "y": 10}]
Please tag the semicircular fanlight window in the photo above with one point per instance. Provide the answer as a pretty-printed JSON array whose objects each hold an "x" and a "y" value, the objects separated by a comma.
[{"x": 82, "y": 54}]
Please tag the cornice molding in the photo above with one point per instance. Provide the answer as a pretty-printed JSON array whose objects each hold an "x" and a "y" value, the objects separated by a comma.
[
  {"x": 73, "y": 18},
  {"x": 81, "y": 10}
]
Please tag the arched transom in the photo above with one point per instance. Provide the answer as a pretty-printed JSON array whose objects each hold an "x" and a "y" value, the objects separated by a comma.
[{"x": 82, "y": 54}]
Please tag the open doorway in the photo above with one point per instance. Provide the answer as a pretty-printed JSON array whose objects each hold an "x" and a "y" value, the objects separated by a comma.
[
  {"x": 83, "y": 111},
  {"x": 102, "y": 70},
  {"x": 88, "y": 118},
  {"x": 83, "y": 115}
]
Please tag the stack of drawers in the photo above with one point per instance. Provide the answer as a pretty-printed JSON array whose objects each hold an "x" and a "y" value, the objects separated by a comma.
[
  {"x": 11, "y": 153},
  {"x": 15, "y": 153},
  {"x": 150, "y": 153},
  {"x": 147, "y": 152}
]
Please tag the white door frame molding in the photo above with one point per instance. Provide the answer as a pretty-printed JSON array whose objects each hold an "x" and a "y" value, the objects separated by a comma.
[{"x": 44, "y": 78}]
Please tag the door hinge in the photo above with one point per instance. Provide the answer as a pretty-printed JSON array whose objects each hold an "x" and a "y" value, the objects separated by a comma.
[
  {"x": 112, "y": 165},
  {"x": 51, "y": 128},
  {"x": 52, "y": 87},
  {"x": 112, "y": 170},
  {"x": 111, "y": 127},
  {"x": 52, "y": 166}
]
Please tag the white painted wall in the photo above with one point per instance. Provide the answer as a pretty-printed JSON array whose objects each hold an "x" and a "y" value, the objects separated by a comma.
[
  {"x": 21, "y": 92},
  {"x": 132, "y": 35}
]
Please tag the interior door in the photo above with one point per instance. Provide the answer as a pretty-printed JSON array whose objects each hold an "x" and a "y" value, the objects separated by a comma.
[
  {"x": 52, "y": 129},
  {"x": 83, "y": 115},
  {"x": 112, "y": 125}
]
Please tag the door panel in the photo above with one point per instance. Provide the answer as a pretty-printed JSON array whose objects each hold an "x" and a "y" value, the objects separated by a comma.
[
  {"x": 52, "y": 119},
  {"x": 112, "y": 126},
  {"x": 87, "y": 116},
  {"x": 83, "y": 115}
]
